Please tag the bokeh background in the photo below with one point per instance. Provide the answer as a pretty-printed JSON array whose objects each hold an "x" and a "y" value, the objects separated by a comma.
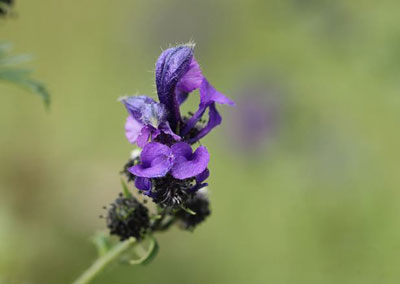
[{"x": 305, "y": 170}]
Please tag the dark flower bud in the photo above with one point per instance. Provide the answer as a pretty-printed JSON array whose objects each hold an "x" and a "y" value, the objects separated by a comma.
[
  {"x": 127, "y": 218},
  {"x": 199, "y": 205}
]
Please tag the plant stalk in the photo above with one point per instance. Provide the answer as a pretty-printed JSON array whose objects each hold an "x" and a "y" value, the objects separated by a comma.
[{"x": 105, "y": 260}]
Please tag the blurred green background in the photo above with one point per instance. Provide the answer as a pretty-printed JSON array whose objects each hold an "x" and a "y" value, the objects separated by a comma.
[{"x": 317, "y": 201}]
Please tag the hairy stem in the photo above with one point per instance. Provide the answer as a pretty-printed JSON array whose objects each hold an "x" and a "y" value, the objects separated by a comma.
[{"x": 105, "y": 260}]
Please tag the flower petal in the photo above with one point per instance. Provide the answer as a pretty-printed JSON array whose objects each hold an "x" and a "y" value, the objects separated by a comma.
[
  {"x": 145, "y": 110},
  {"x": 172, "y": 64},
  {"x": 208, "y": 97},
  {"x": 144, "y": 136},
  {"x": 192, "y": 78},
  {"x": 203, "y": 176},
  {"x": 214, "y": 119},
  {"x": 164, "y": 127},
  {"x": 182, "y": 150},
  {"x": 181, "y": 97},
  {"x": 132, "y": 129},
  {"x": 189, "y": 82},
  {"x": 142, "y": 183},
  {"x": 189, "y": 165},
  {"x": 135, "y": 104},
  {"x": 208, "y": 94},
  {"x": 155, "y": 161},
  {"x": 199, "y": 180}
]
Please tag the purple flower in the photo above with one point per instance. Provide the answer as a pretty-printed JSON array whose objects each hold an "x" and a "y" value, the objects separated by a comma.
[
  {"x": 178, "y": 74},
  {"x": 169, "y": 171},
  {"x": 156, "y": 160}
]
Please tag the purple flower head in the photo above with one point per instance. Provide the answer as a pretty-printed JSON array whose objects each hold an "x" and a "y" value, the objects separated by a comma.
[{"x": 169, "y": 171}]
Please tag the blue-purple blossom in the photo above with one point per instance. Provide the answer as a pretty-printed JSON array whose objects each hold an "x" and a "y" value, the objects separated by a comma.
[{"x": 169, "y": 170}]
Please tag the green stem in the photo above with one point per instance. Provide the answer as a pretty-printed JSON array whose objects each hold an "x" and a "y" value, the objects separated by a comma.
[
  {"x": 104, "y": 260},
  {"x": 145, "y": 254}
]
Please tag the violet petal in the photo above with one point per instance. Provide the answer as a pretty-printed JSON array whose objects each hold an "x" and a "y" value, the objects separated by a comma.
[
  {"x": 186, "y": 164},
  {"x": 155, "y": 161},
  {"x": 203, "y": 176},
  {"x": 145, "y": 110},
  {"x": 164, "y": 127},
  {"x": 135, "y": 104},
  {"x": 144, "y": 136},
  {"x": 208, "y": 97},
  {"x": 143, "y": 183},
  {"x": 132, "y": 129},
  {"x": 214, "y": 119},
  {"x": 192, "y": 78},
  {"x": 172, "y": 64}
]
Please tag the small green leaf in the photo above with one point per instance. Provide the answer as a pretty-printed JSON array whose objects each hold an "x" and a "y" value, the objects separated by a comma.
[
  {"x": 103, "y": 243},
  {"x": 20, "y": 77},
  {"x": 14, "y": 60},
  {"x": 125, "y": 189}
]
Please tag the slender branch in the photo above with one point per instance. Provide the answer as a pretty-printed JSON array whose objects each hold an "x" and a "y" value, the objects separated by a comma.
[{"x": 103, "y": 261}]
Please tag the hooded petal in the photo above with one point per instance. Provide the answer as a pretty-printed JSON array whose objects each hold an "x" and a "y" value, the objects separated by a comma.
[
  {"x": 132, "y": 129},
  {"x": 171, "y": 66},
  {"x": 156, "y": 160},
  {"x": 186, "y": 164}
]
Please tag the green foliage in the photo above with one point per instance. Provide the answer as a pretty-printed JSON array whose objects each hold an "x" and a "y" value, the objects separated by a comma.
[
  {"x": 103, "y": 243},
  {"x": 126, "y": 191},
  {"x": 19, "y": 76}
]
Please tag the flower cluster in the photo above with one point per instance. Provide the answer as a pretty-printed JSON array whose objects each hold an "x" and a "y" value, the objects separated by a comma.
[{"x": 170, "y": 169}]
